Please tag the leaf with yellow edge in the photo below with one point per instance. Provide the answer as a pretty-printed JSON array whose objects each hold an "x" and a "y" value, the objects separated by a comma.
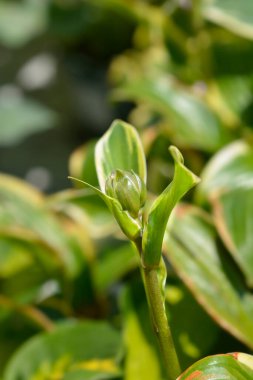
[
  {"x": 119, "y": 148},
  {"x": 235, "y": 366}
]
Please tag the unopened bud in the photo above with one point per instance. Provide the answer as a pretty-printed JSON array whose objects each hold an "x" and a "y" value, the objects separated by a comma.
[{"x": 128, "y": 188}]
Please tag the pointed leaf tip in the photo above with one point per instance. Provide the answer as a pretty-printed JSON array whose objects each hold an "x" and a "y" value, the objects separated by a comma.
[
  {"x": 119, "y": 148},
  {"x": 176, "y": 154}
]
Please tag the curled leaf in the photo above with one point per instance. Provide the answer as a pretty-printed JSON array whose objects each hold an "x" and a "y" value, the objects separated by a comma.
[{"x": 162, "y": 207}]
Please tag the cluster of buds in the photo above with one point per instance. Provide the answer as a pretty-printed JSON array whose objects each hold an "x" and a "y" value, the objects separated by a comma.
[{"x": 129, "y": 189}]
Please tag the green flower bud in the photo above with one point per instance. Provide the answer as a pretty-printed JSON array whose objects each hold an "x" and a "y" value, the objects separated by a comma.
[{"x": 128, "y": 188}]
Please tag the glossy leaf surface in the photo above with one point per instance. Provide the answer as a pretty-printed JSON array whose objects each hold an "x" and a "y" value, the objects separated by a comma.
[
  {"x": 233, "y": 216},
  {"x": 191, "y": 247},
  {"x": 160, "y": 211},
  {"x": 227, "y": 183},
  {"x": 189, "y": 121},
  {"x": 119, "y": 148},
  {"x": 220, "y": 367},
  {"x": 231, "y": 168}
]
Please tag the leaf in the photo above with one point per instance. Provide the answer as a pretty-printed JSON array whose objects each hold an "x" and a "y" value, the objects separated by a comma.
[
  {"x": 84, "y": 347},
  {"x": 119, "y": 148},
  {"x": 25, "y": 268},
  {"x": 162, "y": 207},
  {"x": 114, "y": 263},
  {"x": 87, "y": 375},
  {"x": 15, "y": 328},
  {"x": 85, "y": 208},
  {"x": 220, "y": 367},
  {"x": 14, "y": 256},
  {"x": 129, "y": 226},
  {"x": 236, "y": 16},
  {"x": 227, "y": 183},
  {"x": 233, "y": 217},
  {"x": 22, "y": 209},
  {"x": 191, "y": 247},
  {"x": 230, "y": 96},
  {"x": 189, "y": 122},
  {"x": 21, "y": 118},
  {"x": 82, "y": 164},
  {"x": 231, "y": 168}
]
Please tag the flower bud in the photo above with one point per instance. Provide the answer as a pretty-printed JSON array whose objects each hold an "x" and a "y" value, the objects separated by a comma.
[{"x": 128, "y": 188}]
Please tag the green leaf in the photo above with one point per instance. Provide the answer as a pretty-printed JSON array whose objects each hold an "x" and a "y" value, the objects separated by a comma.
[
  {"x": 87, "y": 375},
  {"x": 87, "y": 347},
  {"x": 189, "y": 122},
  {"x": 82, "y": 164},
  {"x": 119, "y": 148},
  {"x": 21, "y": 118},
  {"x": 230, "y": 96},
  {"x": 25, "y": 267},
  {"x": 236, "y": 16},
  {"x": 15, "y": 329},
  {"x": 14, "y": 256},
  {"x": 191, "y": 247},
  {"x": 231, "y": 168},
  {"x": 23, "y": 211},
  {"x": 129, "y": 226},
  {"x": 85, "y": 208},
  {"x": 235, "y": 226},
  {"x": 220, "y": 367},
  {"x": 114, "y": 263},
  {"x": 227, "y": 182},
  {"x": 162, "y": 207}
]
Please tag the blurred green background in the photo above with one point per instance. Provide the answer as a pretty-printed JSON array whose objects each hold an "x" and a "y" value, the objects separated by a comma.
[
  {"x": 54, "y": 57},
  {"x": 181, "y": 71}
]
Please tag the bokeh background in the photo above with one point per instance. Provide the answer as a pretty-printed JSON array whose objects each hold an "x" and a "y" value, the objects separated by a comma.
[
  {"x": 181, "y": 71},
  {"x": 54, "y": 58}
]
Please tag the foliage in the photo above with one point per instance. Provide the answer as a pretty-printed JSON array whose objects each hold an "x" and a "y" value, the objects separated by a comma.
[{"x": 65, "y": 262}]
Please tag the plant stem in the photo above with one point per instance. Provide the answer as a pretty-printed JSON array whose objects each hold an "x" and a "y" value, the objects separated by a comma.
[{"x": 160, "y": 323}]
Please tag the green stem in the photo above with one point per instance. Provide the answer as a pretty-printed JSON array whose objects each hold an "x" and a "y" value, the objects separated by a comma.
[{"x": 160, "y": 323}]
